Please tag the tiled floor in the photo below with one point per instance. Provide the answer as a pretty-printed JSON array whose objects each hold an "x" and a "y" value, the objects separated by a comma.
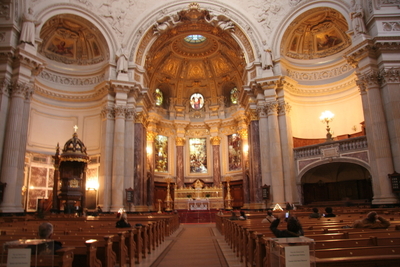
[{"x": 194, "y": 245}]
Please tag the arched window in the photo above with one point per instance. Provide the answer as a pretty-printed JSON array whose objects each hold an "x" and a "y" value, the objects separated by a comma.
[
  {"x": 161, "y": 153},
  {"x": 234, "y": 95},
  {"x": 158, "y": 95},
  {"x": 197, "y": 101}
]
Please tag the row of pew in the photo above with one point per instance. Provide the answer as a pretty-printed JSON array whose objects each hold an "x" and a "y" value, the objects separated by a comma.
[
  {"x": 336, "y": 243},
  {"x": 94, "y": 241}
]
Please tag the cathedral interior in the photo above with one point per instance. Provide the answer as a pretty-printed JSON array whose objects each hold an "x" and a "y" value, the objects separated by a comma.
[{"x": 198, "y": 105}]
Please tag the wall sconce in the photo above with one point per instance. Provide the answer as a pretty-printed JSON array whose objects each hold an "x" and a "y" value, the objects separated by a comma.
[
  {"x": 92, "y": 184},
  {"x": 327, "y": 117},
  {"x": 149, "y": 150},
  {"x": 246, "y": 149}
]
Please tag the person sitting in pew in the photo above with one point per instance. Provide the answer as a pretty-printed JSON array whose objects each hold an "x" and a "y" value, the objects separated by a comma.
[
  {"x": 233, "y": 217},
  {"x": 372, "y": 221},
  {"x": 293, "y": 228},
  {"x": 329, "y": 212},
  {"x": 242, "y": 216},
  {"x": 123, "y": 221},
  {"x": 315, "y": 213},
  {"x": 269, "y": 218},
  {"x": 45, "y": 231}
]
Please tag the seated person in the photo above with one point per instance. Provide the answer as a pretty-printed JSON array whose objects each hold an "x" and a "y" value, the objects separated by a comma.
[
  {"x": 329, "y": 212},
  {"x": 269, "y": 218},
  {"x": 315, "y": 213},
  {"x": 372, "y": 221},
  {"x": 242, "y": 216},
  {"x": 45, "y": 232},
  {"x": 233, "y": 217},
  {"x": 293, "y": 228},
  {"x": 123, "y": 221}
]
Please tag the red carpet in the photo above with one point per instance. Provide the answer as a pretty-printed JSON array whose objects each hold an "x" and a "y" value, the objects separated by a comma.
[{"x": 202, "y": 216}]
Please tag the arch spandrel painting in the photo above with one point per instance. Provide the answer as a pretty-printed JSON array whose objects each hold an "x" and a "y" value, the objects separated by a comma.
[
  {"x": 198, "y": 155},
  {"x": 161, "y": 153}
]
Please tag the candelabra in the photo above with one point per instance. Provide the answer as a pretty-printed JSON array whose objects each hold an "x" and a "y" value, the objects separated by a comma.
[
  {"x": 228, "y": 198},
  {"x": 168, "y": 199},
  {"x": 327, "y": 117}
]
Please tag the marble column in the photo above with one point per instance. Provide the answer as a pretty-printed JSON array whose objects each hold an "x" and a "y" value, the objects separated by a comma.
[
  {"x": 118, "y": 192},
  {"x": 14, "y": 145},
  {"x": 378, "y": 139},
  {"x": 129, "y": 151},
  {"x": 106, "y": 158},
  {"x": 244, "y": 135},
  {"x": 289, "y": 171},
  {"x": 255, "y": 163},
  {"x": 140, "y": 199},
  {"x": 275, "y": 154},
  {"x": 180, "y": 142},
  {"x": 150, "y": 168},
  {"x": 5, "y": 85},
  {"x": 215, "y": 142}
]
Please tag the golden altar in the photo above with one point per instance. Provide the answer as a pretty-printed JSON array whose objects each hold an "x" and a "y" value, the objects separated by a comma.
[{"x": 198, "y": 196}]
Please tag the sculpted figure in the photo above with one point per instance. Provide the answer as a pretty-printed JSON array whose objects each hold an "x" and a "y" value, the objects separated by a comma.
[
  {"x": 221, "y": 21},
  {"x": 266, "y": 59},
  {"x": 29, "y": 24},
  {"x": 122, "y": 60},
  {"x": 166, "y": 23},
  {"x": 357, "y": 18}
]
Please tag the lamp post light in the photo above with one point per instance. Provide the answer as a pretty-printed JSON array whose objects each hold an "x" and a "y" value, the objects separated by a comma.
[{"x": 327, "y": 117}]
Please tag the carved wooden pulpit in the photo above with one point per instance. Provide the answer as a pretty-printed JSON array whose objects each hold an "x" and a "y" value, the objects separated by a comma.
[{"x": 70, "y": 176}]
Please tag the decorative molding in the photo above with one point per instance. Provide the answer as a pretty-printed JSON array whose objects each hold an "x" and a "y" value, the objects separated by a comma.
[
  {"x": 180, "y": 141},
  {"x": 313, "y": 75},
  {"x": 215, "y": 140},
  {"x": 391, "y": 26},
  {"x": 386, "y": 3},
  {"x": 72, "y": 81},
  {"x": 107, "y": 113},
  {"x": 22, "y": 89},
  {"x": 78, "y": 97},
  {"x": 5, "y": 10}
]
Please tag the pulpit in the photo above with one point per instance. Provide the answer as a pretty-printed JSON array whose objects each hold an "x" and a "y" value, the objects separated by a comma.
[
  {"x": 198, "y": 196},
  {"x": 70, "y": 176}
]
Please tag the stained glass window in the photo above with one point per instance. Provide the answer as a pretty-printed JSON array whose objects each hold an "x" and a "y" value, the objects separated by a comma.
[
  {"x": 195, "y": 38},
  {"x": 161, "y": 153},
  {"x": 197, "y": 101},
  {"x": 234, "y": 95},
  {"x": 235, "y": 152},
  {"x": 158, "y": 95},
  {"x": 198, "y": 155}
]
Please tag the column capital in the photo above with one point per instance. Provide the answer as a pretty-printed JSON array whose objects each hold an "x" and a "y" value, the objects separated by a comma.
[
  {"x": 22, "y": 89},
  {"x": 180, "y": 141},
  {"x": 272, "y": 108},
  {"x": 140, "y": 118},
  {"x": 215, "y": 140},
  {"x": 244, "y": 133},
  {"x": 284, "y": 108},
  {"x": 151, "y": 136},
  {"x": 107, "y": 112},
  {"x": 120, "y": 112}
]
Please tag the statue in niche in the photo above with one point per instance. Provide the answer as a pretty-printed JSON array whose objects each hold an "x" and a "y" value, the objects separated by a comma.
[
  {"x": 166, "y": 23},
  {"x": 28, "y": 31},
  {"x": 122, "y": 60},
  {"x": 357, "y": 18}
]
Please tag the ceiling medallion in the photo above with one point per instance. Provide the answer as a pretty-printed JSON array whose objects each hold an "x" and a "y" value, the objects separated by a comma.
[{"x": 195, "y": 50}]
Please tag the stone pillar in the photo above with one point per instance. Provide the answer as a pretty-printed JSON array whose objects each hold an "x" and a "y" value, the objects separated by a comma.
[
  {"x": 390, "y": 78},
  {"x": 180, "y": 142},
  {"x": 14, "y": 148},
  {"x": 275, "y": 154},
  {"x": 140, "y": 200},
  {"x": 129, "y": 151},
  {"x": 244, "y": 135},
  {"x": 378, "y": 138},
  {"x": 106, "y": 158},
  {"x": 255, "y": 164},
  {"x": 150, "y": 168},
  {"x": 5, "y": 89},
  {"x": 289, "y": 171},
  {"x": 264, "y": 147},
  {"x": 215, "y": 142},
  {"x": 118, "y": 190}
]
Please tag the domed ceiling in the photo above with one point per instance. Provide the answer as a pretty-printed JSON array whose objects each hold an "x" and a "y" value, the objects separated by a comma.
[
  {"x": 318, "y": 33},
  {"x": 195, "y": 56},
  {"x": 72, "y": 40}
]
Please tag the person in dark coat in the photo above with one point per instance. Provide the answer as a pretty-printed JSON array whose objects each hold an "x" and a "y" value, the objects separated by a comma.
[
  {"x": 293, "y": 228},
  {"x": 123, "y": 221}
]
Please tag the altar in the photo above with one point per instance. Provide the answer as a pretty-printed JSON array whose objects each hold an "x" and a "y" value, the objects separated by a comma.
[{"x": 198, "y": 197}]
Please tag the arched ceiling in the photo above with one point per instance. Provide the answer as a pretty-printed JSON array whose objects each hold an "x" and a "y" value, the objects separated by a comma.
[
  {"x": 72, "y": 40},
  {"x": 317, "y": 33},
  {"x": 179, "y": 68}
]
